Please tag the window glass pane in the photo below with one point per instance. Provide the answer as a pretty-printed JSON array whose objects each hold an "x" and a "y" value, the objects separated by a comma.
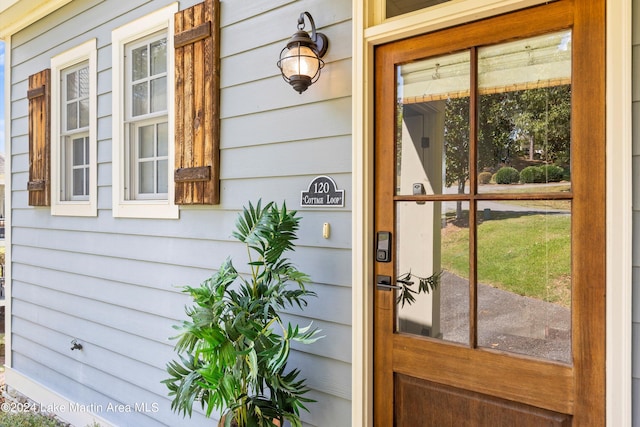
[
  {"x": 524, "y": 278},
  {"x": 140, "y": 99},
  {"x": 159, "y": 94},
  {"x": 159, "y": 57},
  {"x": 146, "y": 141},
  {"x": 139, "y": 63},
  {"x": 86, "y": 150},
  {"x": 83, "y": 82},
  {"x": 146, "y": 178},
  {"x": 86, "y": 181},
  {"x": 163, "y": 140},
  {"x": 432, "y": 247},
  {"x": 72, "y": 86},
  {"x": 72, "y": 116},
  {"x": 79, "y": 182},
  {"x": 399, "y": 7},
  {"x": 84, "y": 113},
  {"x": 432, "y": 133},
  {"x": 163, "y": 176},
  {"x": 524, "y": 126},
  {"x": 78, "y": 151}
]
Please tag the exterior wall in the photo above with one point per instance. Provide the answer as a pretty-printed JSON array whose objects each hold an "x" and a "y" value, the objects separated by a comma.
[{"x": 111, "y": 283}]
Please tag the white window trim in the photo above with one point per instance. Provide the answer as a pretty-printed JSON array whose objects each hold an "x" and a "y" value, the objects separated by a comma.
[
  {"x": 84, "y": 52},
  {"x": 161, "y": 19}
]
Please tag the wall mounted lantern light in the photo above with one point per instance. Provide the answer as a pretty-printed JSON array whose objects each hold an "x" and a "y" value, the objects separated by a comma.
[{"x": 300, "y": 61}]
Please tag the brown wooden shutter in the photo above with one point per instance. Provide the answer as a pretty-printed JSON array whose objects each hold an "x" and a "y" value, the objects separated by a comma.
[
  {"x": 197, "y": 103},
  {"x": 39, "y": 96}
]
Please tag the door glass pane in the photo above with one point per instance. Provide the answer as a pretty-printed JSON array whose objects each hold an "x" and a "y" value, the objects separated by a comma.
[
  {"x": 524, "y": 278},
  {"x": 398, "y": 7},
  {"x": 524, "y": 126},
  {"x": 432, "y": 132},
  {"x": 432, "y": 247}
]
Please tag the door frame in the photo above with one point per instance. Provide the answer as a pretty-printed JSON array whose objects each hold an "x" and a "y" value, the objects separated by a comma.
[{"x": 618, "y": 188}]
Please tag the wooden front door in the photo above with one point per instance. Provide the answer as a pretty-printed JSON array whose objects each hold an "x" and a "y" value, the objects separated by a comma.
[{"x": 490, "y": 222}]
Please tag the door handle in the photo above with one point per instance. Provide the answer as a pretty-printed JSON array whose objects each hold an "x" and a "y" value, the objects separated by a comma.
[{"x": 383, "y": 283}]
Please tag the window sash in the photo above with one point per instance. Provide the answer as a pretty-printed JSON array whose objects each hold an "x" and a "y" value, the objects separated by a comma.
[
  {"x": 74, "y": 108},
  {"x": 76, "y": 167},
  {"x": 146, "y": 76},
  {"x": 147, "y": 119},
  {"x": 148, "y": 159}
]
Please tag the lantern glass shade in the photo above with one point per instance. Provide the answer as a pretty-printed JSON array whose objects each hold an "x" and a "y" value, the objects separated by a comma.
[{"x": 300, "y": 61}]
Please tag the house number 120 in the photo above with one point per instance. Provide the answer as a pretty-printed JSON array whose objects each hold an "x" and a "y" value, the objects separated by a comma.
[{"x": 321, "y": 187}]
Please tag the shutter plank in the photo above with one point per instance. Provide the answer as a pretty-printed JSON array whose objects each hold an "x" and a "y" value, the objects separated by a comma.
[
  {"x": 197, "y": 167},
  {"x": 179, "y": 104},
  {"x": 211, "y": 106},
  {"x": 188, "y": 103},
  {"x": 39, "y": 95},
  {"x": 198, "y": 101}
]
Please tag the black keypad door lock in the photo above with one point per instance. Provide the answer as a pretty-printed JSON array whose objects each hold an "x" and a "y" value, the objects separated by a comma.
[{"x": 383, "y": 246}]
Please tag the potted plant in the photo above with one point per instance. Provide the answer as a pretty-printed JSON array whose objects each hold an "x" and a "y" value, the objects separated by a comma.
[{"x": 233, "y": 348}]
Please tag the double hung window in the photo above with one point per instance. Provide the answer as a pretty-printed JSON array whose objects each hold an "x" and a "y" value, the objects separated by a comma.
[
  {"x": 147, "y": 120},
  {"x": 73, "y": 122}
]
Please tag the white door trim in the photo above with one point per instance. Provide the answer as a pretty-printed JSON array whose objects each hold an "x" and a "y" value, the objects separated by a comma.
[{"x": 619, "y": 213}]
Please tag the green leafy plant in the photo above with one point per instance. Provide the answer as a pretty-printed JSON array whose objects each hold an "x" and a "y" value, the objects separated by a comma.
[
  {"x": 507, "y": 175},
  {"x": 532, "y": 174},
  {"x": 553, "y": 173},
  {"x": 234, "y": 348},
  {"x": 27, "y": 419},
  {"x": 406, "y": 293}
]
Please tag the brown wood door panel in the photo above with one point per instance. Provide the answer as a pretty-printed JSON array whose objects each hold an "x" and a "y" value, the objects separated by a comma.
[{"x": 422, "y": 403}]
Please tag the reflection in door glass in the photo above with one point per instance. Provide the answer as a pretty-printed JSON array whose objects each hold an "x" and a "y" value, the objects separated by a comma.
[
  {"x": 524, "y": 278},
  {"x": 428, "y": 237},
  {"x": 432, "y": 126},
  {"x": 524, "y": 126}
]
